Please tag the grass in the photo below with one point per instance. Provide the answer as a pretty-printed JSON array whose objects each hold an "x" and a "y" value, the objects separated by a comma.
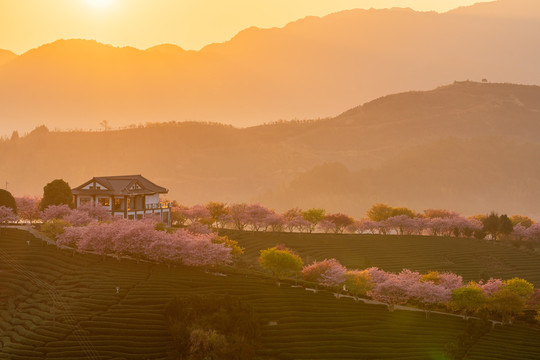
[
  {"x": 56, "y": 305},
  {"x": 473, "y": 259}
]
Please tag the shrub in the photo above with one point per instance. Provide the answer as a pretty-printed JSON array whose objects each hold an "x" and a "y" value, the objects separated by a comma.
[
  {"x": 213, "y": 327},
  {"x": 54, "y": 228}
]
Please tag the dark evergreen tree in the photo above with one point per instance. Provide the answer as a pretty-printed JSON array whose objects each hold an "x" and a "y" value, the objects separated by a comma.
[
  {"x": 57, "y": 192},
  {"x": 7, "y": 200},
  {"x": 505, "y": 225},
  {"x": 496, "y": 225},
  {"x": 491, "y": 225}
]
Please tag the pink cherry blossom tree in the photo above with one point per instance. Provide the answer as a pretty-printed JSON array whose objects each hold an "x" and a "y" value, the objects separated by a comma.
[
  {"x": 257, "y": 216},
  {"x": 450, "y": 281},
  {"x": 275, "y": 222},
  {"x": 7, "y": 215},
  {"x": 491, "y": 286},
  {"x": 298, "y": 223},
  {"x": 55, "y": 212},
  {"x": 96, "y": 212},
  {"x": 197, "y": 213},
  {"x": 28, "y": 208},
  {"x": 328, "y": 272},
  {"x": 428, "y": 294},
  {"x": 367, "y": 226},
  {"x": 78, "y": 218},
  {"x": 340, "y": 222},
  {"x": 239, "y": 216},
  {"x": 326, "y": 226},
  {"x": 393, "y": 291}
]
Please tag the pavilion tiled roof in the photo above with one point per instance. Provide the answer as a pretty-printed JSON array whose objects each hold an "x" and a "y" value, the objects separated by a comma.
[{"x": 120, "y": 185}]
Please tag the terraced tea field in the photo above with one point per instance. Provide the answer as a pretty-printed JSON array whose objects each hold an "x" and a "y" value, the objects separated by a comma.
[
  {"x": 473, "y": 259},
  {"x": 59, "y": 305}
]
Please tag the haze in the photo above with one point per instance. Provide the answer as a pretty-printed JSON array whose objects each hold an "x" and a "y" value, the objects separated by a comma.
[{"x": 191, "y": 24}]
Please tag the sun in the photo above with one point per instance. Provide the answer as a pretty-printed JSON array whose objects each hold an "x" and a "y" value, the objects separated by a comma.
[{"x": 100, "y": 3}]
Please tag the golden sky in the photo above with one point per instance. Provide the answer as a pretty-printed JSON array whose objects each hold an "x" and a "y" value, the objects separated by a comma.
[{"x": 191, "y": 24}]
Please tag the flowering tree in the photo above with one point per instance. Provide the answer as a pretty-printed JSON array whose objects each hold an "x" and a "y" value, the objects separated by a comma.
[
  {"x": 366, "y": 225},
  {"x": 140, "y": 239},
  {"x": 55, "y": 212},
  {"x": 199, "y": 250},
  {"x": 328, "y": 272},
  {"x": 7, "y": 215},
  {"x": 491, "y": 286},
  {"x": 274, "y": 221},
  {"x": 429, "y": 293},
  {"x": 71, "y": 236},
  {"x": 298, "y": 223},
  {"x": 326, "y": 226},
  {"x": 257, "y": 216},
  {"x": 392, "y": 291},
  {"x": 340, "y": 222},
  {"x": 197, "y": 213},
  {"x": 377, "y": 275},
  {"x": 450, "y": 281},
  {"x": 239, "y": 216},
  {"x": 78, "y": 218},
  {"x": 28, "y": 208},
  {"x": 198, "y": 228},
  {"x": 96, "y": 212}
]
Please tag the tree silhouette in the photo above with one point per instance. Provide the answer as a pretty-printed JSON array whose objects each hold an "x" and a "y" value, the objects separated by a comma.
[{"x": 57, "y": 192}]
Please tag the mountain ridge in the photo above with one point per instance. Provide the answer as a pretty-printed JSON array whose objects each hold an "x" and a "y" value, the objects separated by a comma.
[
  {"x": 474, "y": 151},
  {"x": 310, "y": 68}
]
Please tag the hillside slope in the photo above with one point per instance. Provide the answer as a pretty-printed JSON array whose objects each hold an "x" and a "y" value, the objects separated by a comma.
[
  {"x": 313, "y": 67},
  {"x": 58, "y": 305},
  {"x": 470, "y": 147}
]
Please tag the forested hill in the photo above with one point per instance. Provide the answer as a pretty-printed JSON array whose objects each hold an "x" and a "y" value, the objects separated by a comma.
[
  {"x": 471, "y": 147},
  {"x": 313, "y": 67}
]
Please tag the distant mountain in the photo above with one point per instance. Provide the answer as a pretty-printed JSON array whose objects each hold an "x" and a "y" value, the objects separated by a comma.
[
  {"x": 6, "y": 56},
  {"x": 311, "y": 68},
  {"x": 525, "y": 9},
  {"x": 471, "y": 147}
]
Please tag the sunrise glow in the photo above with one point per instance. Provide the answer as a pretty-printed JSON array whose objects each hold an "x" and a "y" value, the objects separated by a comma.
[{"x": 100, "y": 3}]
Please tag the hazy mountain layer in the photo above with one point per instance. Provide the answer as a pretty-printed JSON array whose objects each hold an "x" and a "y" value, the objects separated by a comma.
[
  {"x": 471, "y": 147},
  {"x": 311, "y": 68}
]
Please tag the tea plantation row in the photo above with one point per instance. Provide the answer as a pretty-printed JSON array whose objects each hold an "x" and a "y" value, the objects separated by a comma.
[{"x": 59, "y": 305}]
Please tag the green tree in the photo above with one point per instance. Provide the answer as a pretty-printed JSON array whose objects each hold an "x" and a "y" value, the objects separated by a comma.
[
  {"x": 403, "y": 211},
  {"x": 358, "y": 283},
  {"x": 468, "y": 299},
  {"x": 54, "y": 228},
  {"x": 511, "y": 298},
  {"x": 7, "y": 200},
  {"x": 281, "y": 262},
  {"x": 218, "y": 211},
  {"x": 314, "y": 216},
  {"x": 506, "y": 303},
  {"x": 518, "y": 286},
  {"x": 525, "y": 221},
  {"x": 505, "y": 225},
  {"x": 496, "y": 225},
  {"x": 379, "y": 212},
  {"x": 236, "y": 250},
  {"x": 57, "y": 192}
]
